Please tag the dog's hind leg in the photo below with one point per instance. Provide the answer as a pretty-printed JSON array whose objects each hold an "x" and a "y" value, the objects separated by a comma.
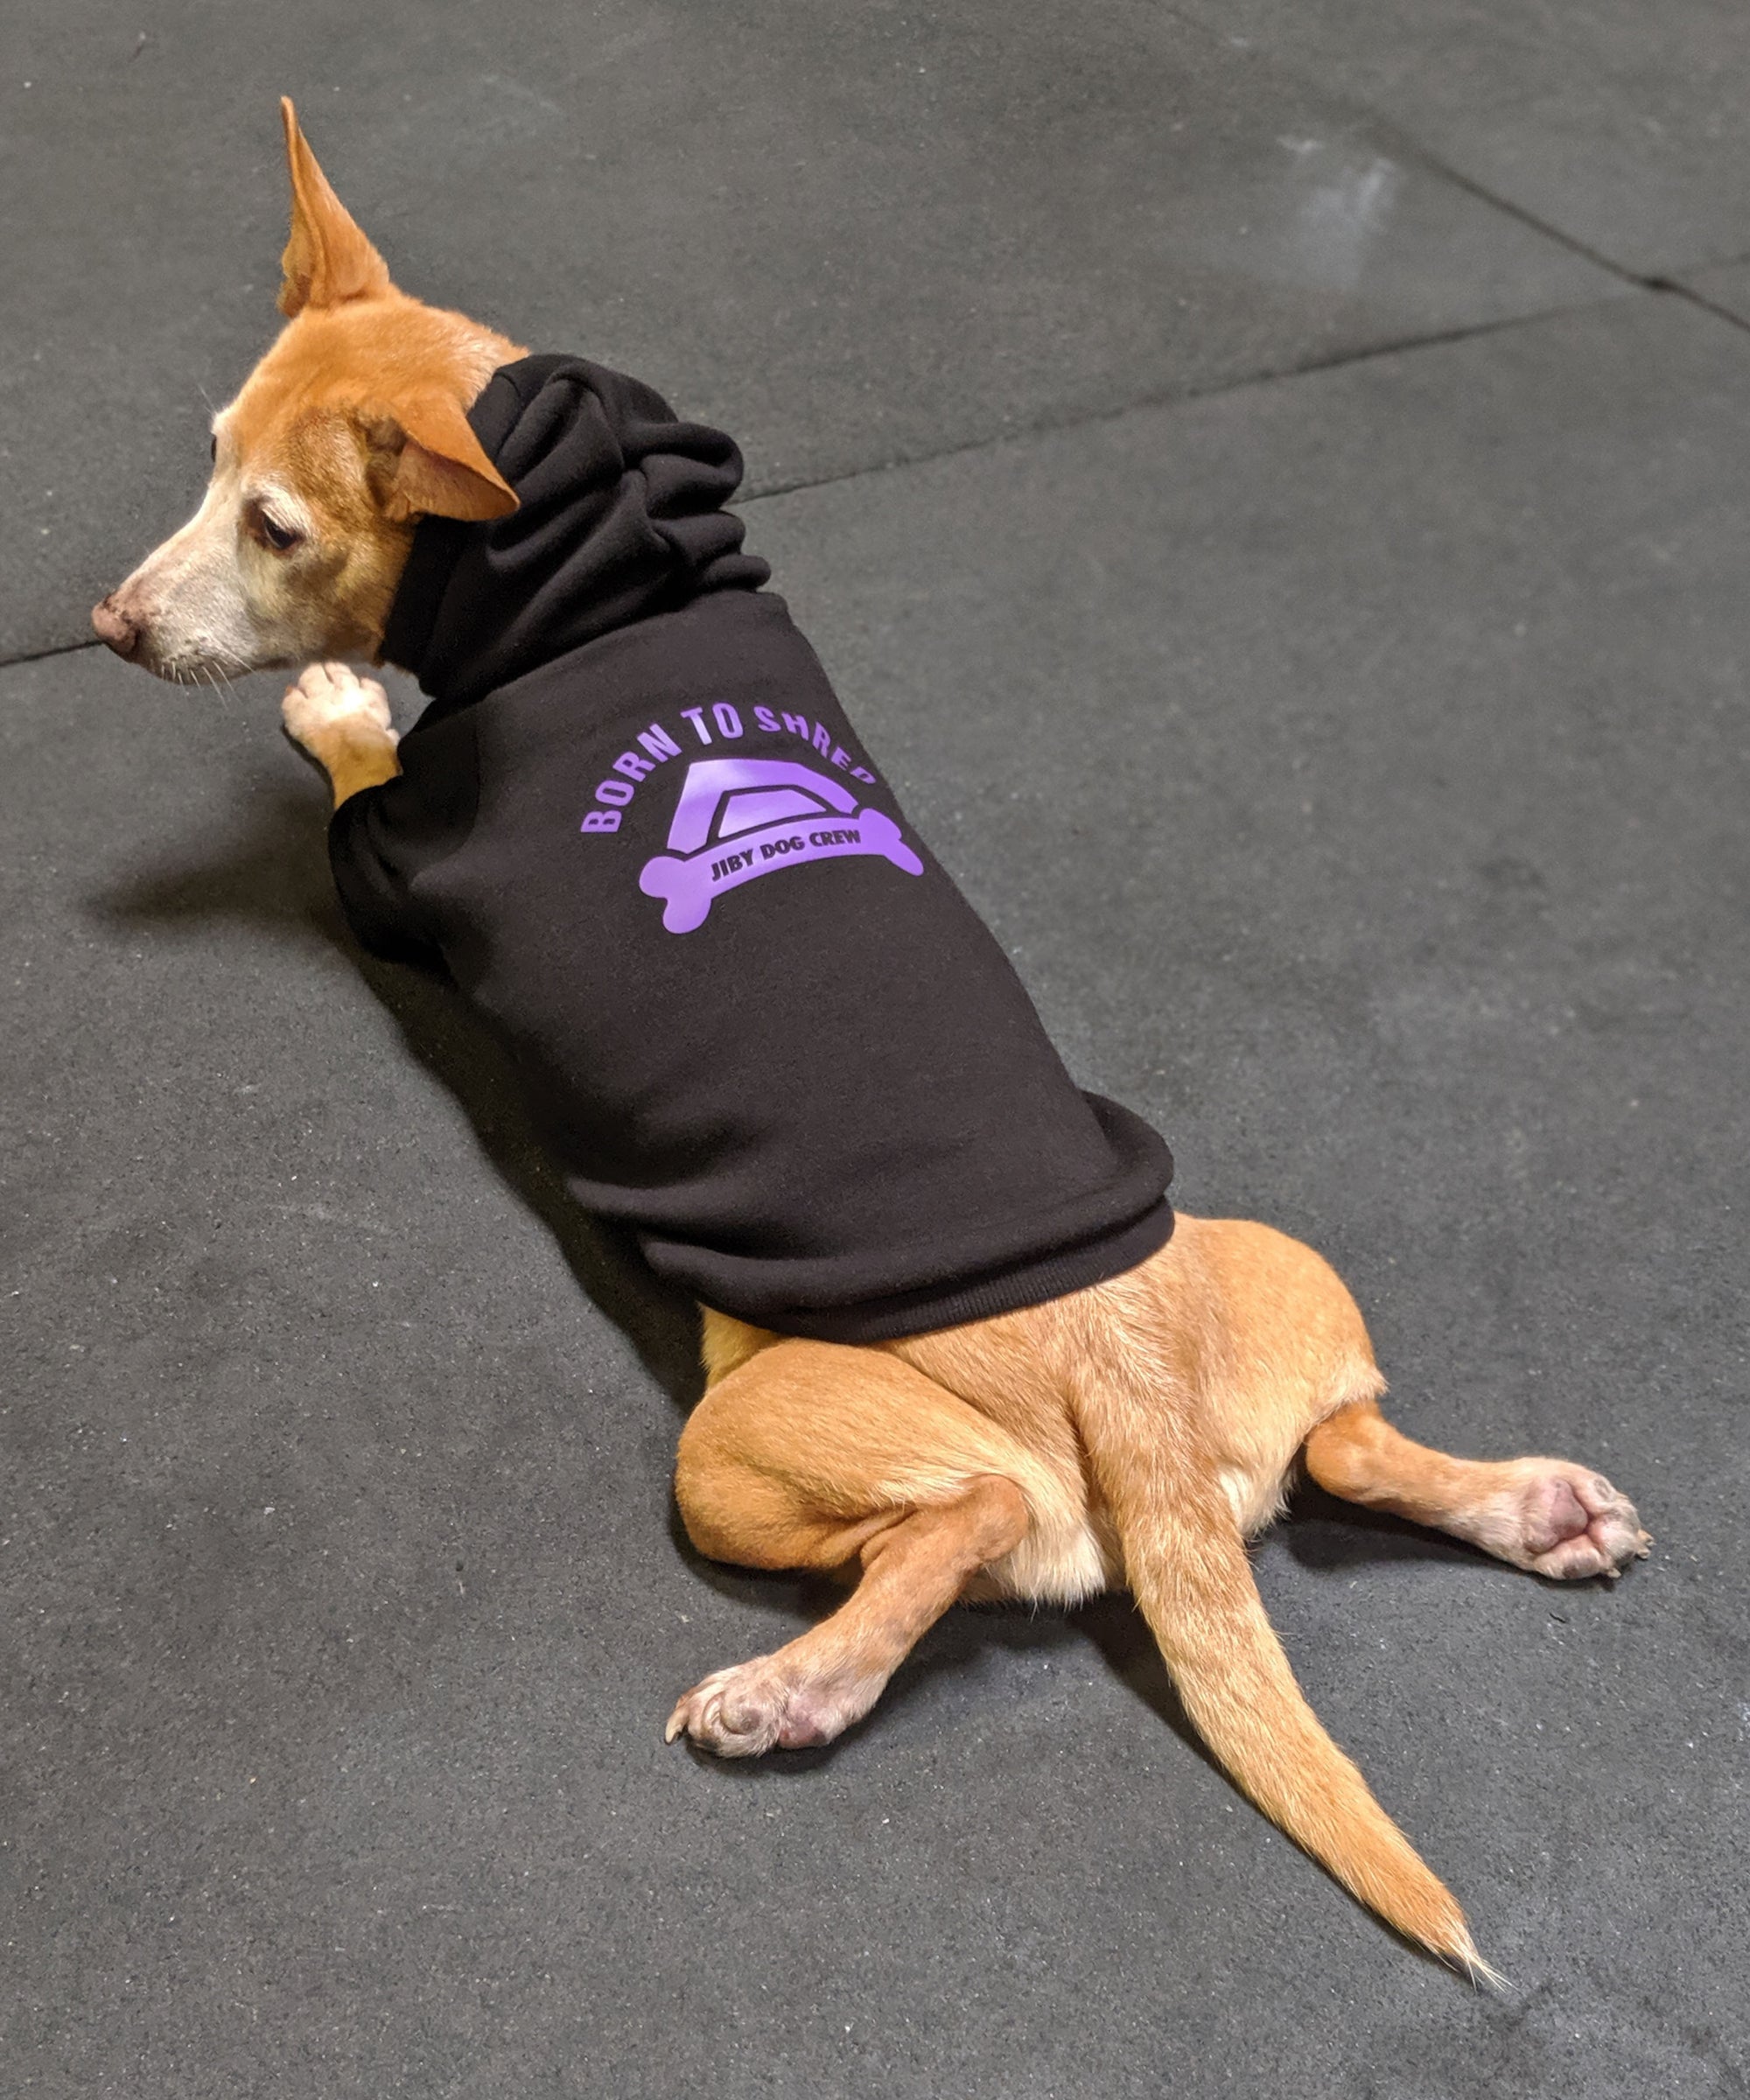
[
  {"x": 1545, "y": 1515},
  {"x": 812, "y": 1455}
]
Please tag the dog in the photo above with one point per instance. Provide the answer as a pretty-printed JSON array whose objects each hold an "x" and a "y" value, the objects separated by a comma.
[{"x": 1122, "y": 1419}]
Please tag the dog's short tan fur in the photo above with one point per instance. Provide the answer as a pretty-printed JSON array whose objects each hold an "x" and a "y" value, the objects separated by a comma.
[{"x": 1132, "y": 1435}]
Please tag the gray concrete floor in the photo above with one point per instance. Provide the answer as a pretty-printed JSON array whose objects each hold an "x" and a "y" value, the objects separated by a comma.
[{"x": 1270, "y": 480}]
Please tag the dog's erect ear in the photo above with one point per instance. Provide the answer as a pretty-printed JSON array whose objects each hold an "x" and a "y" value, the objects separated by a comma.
[
  {"x": 427, "y": 462},
  {"x": 327, "y": 259}
]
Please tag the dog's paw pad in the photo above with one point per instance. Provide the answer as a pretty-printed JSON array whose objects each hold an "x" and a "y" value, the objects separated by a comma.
[{"x": 1571, "y": 1523}]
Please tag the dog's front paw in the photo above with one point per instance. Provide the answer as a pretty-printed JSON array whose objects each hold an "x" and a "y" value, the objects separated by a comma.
[{"x": 329, "y": 700}]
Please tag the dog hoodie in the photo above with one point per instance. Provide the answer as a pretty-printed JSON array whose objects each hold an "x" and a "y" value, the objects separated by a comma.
[{"x": 757, "y": 1022}]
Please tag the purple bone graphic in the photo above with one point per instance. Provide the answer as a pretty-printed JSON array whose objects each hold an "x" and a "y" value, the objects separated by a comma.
[{"x": 740, "y": 818}]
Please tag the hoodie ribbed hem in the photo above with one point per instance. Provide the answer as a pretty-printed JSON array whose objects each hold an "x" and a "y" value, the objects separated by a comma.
[{"x": 1011, "y": 1290}]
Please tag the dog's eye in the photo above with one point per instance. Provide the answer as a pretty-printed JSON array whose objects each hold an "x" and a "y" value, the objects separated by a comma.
[
  {"x": 266, "y": 530},
  {"x": 213, "y": 448},
  {"x": 280, "y": 537}
]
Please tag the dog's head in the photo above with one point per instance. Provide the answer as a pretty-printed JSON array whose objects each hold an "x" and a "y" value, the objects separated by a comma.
[{"x": 352, "y": 428}]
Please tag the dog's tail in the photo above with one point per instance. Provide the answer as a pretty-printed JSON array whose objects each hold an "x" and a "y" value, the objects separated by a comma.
[{"x": 1186, "y": 1562}]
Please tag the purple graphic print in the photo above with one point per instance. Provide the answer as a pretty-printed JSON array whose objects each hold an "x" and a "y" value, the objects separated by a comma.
[{"x": 740, "y": 818}]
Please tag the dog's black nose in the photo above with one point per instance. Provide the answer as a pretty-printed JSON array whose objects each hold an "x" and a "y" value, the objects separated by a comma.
[{"x": 121, "y": 630}]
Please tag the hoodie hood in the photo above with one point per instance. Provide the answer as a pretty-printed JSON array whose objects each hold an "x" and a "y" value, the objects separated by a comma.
[{"x": 620, "y": 516}]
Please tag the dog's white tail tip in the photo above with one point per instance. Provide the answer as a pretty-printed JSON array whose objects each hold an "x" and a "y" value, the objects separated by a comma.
[{"x": 1463, "y": 1955}]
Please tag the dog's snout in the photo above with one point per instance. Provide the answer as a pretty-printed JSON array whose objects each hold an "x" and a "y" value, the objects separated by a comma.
[{"x": 121, "y": 630}]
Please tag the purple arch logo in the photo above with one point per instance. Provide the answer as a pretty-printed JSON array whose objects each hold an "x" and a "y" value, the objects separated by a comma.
[{"x": 740, "y": 818}]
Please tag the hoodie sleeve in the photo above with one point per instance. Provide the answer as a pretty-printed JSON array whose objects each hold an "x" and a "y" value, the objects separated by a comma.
[
  {"x": 373, "y": 891},
  {"x": 381, "y": 840}
]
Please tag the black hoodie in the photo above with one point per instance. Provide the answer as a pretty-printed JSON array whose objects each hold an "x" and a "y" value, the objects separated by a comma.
[{"x": 759, "y": 1023}]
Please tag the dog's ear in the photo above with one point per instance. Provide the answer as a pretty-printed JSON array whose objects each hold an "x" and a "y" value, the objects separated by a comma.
[
  {"x": 427, "y": 462},
  {"x": 327, "y": 259}
]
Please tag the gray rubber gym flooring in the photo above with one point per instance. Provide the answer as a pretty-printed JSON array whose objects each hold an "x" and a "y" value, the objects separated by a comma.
[{"x": 1272, "y": 478}]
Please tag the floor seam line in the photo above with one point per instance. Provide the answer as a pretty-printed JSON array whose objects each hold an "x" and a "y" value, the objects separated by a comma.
[
  {"x": 1642, "y": 280},
  {"x": 1675, "y": 288},
  {"x": 1417, "y": 149},
  {"x": 1662, "y": 284},
  {"x": 1047, "y": 426},
  {"x": 59, "y": 648},
  {"x": 1172, "y": 397}
]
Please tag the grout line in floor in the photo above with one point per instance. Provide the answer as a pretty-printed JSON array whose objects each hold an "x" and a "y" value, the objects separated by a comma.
[
  {"x": 1676, "y": 289},
  {"x": 1664, "y": 283},
  {"x": 1170, "y": 397},
  {"x": 59, "y": 648},
  {"x": 1174, "y": 396}
]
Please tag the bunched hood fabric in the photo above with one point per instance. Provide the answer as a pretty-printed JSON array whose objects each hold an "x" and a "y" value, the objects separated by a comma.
[
  {"x": 619, "y": 516},
  {"x": 758, "y": 1023}
]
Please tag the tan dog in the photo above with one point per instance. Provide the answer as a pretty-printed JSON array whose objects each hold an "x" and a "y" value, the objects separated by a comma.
[{"x": 1131, "y": 1435}]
